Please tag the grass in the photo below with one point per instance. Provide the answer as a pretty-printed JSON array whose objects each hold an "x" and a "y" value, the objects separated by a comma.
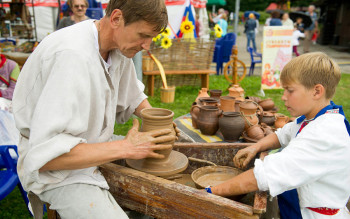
[{"x": 13, "y": 206}]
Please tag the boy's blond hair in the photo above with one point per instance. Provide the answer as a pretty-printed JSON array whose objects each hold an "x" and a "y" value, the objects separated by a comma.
[{"x": 311, "y": 69}]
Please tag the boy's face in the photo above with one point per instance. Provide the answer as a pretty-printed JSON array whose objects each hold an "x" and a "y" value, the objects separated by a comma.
[{"x": 298, "y": 99}]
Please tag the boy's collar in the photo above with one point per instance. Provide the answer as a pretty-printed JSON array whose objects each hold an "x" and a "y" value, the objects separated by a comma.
[{"x": 331, "y": 108}]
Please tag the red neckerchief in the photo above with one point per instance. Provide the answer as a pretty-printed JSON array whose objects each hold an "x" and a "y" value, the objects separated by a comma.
[{"x": 3, "y": 60}]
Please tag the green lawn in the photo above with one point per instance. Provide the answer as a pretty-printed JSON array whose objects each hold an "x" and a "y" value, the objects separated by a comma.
[{"x": 13, "y": 206}]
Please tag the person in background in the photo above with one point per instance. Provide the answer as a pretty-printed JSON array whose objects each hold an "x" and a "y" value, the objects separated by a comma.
[
  {"x": 215, "y": 18},
  {"x": 223, "y": 24},
  {"x": 286, "y": 21},
  {"x": 250, "y": 26},
  {"x": 295, "y": 39},
  {"x": 311, "y": 175},
  {"x": 199, "y": 27},
  {"x": 299, "y": 24},
  {"x": 74, "y": 88},
  {"x": 267, "y": 22},
  {"x": 275, "y": 19},
  {"x": 309, "y": 31},
  {"x": 9, "y": 72},
  {"x": 78, "y": 8},
  {"x": 231, "y": 17}
]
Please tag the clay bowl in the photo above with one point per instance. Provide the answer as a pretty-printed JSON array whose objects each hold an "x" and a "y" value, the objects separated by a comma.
[{"x": 213, "y": 175}]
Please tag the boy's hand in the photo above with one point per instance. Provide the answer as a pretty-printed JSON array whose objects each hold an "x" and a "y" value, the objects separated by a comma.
[
  {"x": 244, "y": 156},
  {"x": 143, "y": 144}
]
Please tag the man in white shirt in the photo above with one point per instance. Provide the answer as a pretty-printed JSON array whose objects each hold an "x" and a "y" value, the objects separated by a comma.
[{"x": 71, "y": 90}]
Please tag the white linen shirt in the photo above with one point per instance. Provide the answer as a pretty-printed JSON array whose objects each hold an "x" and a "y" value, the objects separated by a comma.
[
  {"x": 315, "y": 162},
  {"x": 64, "y": 96}
]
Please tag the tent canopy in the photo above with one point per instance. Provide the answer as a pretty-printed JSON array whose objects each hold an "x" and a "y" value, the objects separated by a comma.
[{"x": 216, "y": 2}]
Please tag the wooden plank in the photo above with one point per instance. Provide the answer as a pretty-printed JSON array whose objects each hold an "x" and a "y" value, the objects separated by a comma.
[
  {"x": 161, "y": 198},
  {"x": 260, "y": 202},
  {"x": 180, "y": 72}
]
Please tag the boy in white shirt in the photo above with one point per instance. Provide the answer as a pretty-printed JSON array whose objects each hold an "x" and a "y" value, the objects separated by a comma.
[{"x": 312, "y": 173}]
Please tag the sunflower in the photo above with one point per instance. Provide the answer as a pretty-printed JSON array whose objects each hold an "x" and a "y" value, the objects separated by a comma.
[
  {"x": 218, "y": 31},
  {"x": 155, "y": 39},
  {"x": 166, "y": 32},
  {"x": 186, "y": 27},
  {"x": 166, "y": 42}
]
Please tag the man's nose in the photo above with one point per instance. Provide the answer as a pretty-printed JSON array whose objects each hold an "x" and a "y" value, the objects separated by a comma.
[{"x": 146, "y": 44}]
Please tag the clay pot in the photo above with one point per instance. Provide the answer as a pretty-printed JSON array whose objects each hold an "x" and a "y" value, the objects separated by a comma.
[
  {"x": 208, "y": 119},
  {"x": 237, "y": 102},
  {"x": 268, "y": 130},
  {"x": 248, "y": 110},
  {"x": 237, "y": 92},
  {"x": 255, "y": 132},
  {"x": 208, "y": 101},
  {"x": 227, "y": 103},
  {"x": 215, "y": 94},
  {"x": 281, "y": 120},
  {"x": 202, "y": 93},
  {"x": 194, "y": 114},
  {"x": 268, "y": 118},
  {"x": 267, "y": 104},
  {"x": 231, "y": 126},
  {"x": 255, "y": 99}
]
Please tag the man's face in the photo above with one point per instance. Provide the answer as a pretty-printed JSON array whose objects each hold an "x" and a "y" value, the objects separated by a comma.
[
  {"x": 79, "y": 8},
  {"x": 297, "y": 99},
  {"x": 134, "y": 37}
]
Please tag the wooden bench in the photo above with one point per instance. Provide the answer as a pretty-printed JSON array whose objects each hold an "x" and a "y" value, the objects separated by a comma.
[{"x": 204, "y": 74}]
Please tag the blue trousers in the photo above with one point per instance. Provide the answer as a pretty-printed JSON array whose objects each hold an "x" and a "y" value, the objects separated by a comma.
[{"x": 251, "y": 37}]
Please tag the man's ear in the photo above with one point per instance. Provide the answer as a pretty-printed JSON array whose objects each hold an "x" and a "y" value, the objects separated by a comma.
[
  {"x": 116, "y": 18},
  {"x": 318, "y": 91}
]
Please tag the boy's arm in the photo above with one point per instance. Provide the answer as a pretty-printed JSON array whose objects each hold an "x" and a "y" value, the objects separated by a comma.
[{"x": 244, "y": 156}]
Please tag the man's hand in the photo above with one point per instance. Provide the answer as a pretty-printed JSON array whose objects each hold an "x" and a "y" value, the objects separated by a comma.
[
  {"x": 244, "y": 156},
  {"x": 141, "y": 145}
]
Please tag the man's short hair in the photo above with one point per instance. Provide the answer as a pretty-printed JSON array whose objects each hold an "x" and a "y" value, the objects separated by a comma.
[
  {"x": 310, "y": 69},
  {"x": 153, "y": 12},
  {"x": 71, "y": 2}
]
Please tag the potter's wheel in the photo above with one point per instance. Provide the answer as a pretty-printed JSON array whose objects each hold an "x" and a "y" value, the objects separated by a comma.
[{"x": 175, "y": 163}]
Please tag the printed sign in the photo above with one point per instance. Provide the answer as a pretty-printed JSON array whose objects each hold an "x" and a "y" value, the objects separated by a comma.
[{"x": 277, "y": 52}]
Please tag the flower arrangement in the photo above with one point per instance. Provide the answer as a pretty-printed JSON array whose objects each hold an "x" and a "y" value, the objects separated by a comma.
[
  {"x": 186, "y": 27},
  {"x": 163, "y": 39},
  {"x": 218, "y": 31}
]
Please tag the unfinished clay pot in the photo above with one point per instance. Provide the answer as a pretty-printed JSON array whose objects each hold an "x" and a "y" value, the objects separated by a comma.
[
  {"x": 208, "y": 119},
  {"x": 267, "y": 104},
  {"x": 227, "y": 103},
  {"x": 281, "y": 120},
  {"x": 231, "y": 126},
  {"x": 194, "y": 114},
  {"x": 202, "y": 93},
  {"x": 173, "y": 161},
  {"x": 255, "y": 132},
  {"x": 215, "y": 94}
]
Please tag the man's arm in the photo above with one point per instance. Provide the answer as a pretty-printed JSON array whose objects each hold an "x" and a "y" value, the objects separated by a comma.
[{"x": 144, "y": 104}]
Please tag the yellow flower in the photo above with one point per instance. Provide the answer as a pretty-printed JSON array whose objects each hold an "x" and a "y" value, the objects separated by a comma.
[
  {"x": 166, "y": 32},
  {"x": 186, "y": 27},
  {"x": 155, "y": 39},
  {"x": 218, "y": 31},
  {"x": 166, "y": 42}
]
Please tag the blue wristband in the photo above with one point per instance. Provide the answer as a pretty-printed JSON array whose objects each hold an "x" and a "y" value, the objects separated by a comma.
[{"x": 208, "y": 189}]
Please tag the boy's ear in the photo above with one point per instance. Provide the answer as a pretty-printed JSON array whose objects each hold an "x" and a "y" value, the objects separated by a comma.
[{"x": 319, "y": 91}]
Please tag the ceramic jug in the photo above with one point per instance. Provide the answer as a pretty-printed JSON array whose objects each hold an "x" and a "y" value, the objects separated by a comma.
[
  {"x": 208, "y": 119},
  {"x": 202, "y": 93},
  {"x": 267, "y": 104},
  {"x": 248, "y": 110},
  {"x": 227, "y": 103},
  {"x": 215, "y": 94},
  {"x": 281, "y": 120},
  {"x": 255, "y": 132},
  {"x": 231, "y": 125},
  {"x": 194, "y": 114},
  {"x": 268, "y": 118}
]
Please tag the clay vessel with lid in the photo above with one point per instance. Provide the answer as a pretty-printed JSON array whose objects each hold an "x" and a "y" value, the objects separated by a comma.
[
  {"x": 281, "y": 120},
  {"x": 215, "y": 93},
  {"x": 173, "y": 161},
  {"x": 248, "y": 109},
  {"x": 227, "y": 103},
  {"x": 202, "y": 93},
  {"x": 208, "y": 119},
  {"x": 231, "y": 125},
  {"x": 268, "y": 118},
  {"x": 194, "y": 114},
  {"x": 237, "y": 92},
  {"x": 267, "y": 104}
]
